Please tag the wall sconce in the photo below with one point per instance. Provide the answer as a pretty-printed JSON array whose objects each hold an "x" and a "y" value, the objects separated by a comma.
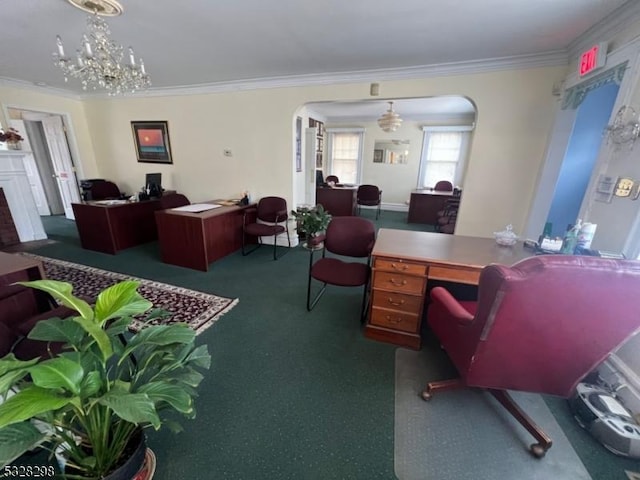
[{"x": 625, "y": 128}]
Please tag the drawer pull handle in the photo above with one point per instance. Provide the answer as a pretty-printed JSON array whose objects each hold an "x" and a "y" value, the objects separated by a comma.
[
  {"x": 397, "y": 304},
  {"x": 401, "y": 267},
  {"x": 393, "y": 320},
  {"x": 397, "y": 283}
]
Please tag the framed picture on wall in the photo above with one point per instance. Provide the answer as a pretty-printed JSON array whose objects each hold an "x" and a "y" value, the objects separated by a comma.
[
  {"x": 298, "y": 144},
  {"x": 378, "y": 156},
  {"x": 605, "y": 188},
  {"x": 152, "y": 141}
]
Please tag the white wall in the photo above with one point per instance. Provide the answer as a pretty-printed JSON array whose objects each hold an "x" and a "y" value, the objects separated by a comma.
[{"x": 515, "y": 110}]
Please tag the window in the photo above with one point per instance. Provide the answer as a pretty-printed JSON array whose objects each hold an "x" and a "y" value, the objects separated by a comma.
[
  {"x": 444, "y": 154},
  {"x": 345, "y": 154}
]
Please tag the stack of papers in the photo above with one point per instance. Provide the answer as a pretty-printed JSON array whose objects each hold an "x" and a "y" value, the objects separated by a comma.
[{"x": 197, "y": 207}]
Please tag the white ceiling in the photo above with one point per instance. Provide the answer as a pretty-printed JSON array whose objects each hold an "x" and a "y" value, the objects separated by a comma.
[{"x": 197, "y": 44}]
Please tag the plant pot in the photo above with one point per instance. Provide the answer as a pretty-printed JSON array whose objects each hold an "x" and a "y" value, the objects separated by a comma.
[{"x": 131, "y": 466}]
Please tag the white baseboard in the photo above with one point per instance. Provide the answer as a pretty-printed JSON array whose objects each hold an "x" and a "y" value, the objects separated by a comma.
[
  {"x": 281, "y": 240},
  {"x": 395, "y": 207}
]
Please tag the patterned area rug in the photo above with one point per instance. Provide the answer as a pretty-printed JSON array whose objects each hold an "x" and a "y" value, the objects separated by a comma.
[{"x": 199, "y": 310}]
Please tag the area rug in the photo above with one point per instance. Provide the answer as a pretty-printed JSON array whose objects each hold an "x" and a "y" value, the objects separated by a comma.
[
  {"x": 197, "y": 309},
  {"x": 466, "y": 434}
]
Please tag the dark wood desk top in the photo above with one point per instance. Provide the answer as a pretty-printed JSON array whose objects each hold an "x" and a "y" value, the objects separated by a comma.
[
  {"x": 12, "y": 263},
  {"x": 453, "y": 250}
]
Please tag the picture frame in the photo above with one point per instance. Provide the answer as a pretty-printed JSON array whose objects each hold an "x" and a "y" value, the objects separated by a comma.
[
  {"x": 152, "y": 143},
  {"x": 605, "y": 188},
  {"x": 378, "y": 156},
  {"x": 298, "y": 144}
]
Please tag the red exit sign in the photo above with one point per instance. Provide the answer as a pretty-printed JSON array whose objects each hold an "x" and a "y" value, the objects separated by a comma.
[{"x": 593, "y": 59}]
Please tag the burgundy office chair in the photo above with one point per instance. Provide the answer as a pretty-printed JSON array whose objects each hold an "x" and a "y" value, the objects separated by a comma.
[
  {"x": 332, "y": 178},
  {"x": 173, "y": 200},
  {"x": 271, "y": 219},
  {"x": 347, "y": 237},
  {"x": 539, "y": 326},
  {"x": 369, "y": 195},
  {"x": 443, "y": 186},
  {"x": 104, "y": 190}
]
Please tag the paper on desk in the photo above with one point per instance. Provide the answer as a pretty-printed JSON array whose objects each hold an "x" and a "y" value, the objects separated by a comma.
[{"x": 197, "y": 207}]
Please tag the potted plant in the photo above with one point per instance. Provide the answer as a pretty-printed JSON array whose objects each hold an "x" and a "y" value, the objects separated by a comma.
[
  {"x": 12, "y": 138},
  {"x": 91, "y": 401},
  {"x": 311, "y": 221}
]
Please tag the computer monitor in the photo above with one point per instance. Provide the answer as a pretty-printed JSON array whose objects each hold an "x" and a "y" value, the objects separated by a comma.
[
  {"x": 153, "y": 183},
  {"x": 319, "y": 178}
]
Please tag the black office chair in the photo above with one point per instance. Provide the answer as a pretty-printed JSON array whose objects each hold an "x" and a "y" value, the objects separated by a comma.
[
  {"x": 272, "y": 212},
  {"x": 369, "y": 195}
]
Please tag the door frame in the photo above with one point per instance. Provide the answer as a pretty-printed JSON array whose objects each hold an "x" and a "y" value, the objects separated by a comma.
[
  {"x": 72, "y": 143},
  {"x": 564, "y": 121}
]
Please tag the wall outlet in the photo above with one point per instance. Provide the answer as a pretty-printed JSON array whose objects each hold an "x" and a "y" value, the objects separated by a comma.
[{"x": 227, "y": 152}]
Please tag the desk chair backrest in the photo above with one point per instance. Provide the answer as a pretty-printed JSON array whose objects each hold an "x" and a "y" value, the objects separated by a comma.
[
  {"x": 332, "y": 178},
  {"x": 102, "y": 190},
  {"x": 443, "y": 186},
  {"x": 272, "y": 209},
  {"x": 350, "y": 236},
  {"x": 547, "y": 321},
  {"x": 173, "y": 200}
]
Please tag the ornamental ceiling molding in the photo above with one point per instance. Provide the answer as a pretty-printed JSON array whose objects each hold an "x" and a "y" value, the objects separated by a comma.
[{"x": 575, "y": 95}]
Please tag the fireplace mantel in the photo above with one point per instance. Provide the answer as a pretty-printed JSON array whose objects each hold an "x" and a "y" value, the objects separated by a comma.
[{"x": 15, "y": 184}]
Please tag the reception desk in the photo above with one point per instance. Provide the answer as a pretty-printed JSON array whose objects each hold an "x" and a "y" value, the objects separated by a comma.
[
  {"x": 424, "y": 205},
  {"x": 194, "y": 240},
  {"x": 109, "y": 228},
  {"x": 338, "y": 201}
]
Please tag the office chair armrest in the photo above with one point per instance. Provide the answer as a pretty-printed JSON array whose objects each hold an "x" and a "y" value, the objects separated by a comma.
[
  {"x": 442, "y": 300},
  {"x": 281, "y": 214}
]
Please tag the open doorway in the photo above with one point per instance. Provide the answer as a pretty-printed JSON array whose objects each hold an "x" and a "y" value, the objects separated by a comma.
[{"x": 48, "y": 162}]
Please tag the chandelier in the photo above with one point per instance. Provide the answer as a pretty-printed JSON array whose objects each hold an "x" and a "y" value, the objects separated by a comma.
[
  {"x": 390, "y": 120},
  {"x": 98, "y": 63},
  {"x": 625, "y": 128}
]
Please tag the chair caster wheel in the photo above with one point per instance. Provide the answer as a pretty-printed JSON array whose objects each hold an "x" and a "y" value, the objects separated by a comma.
[
  {"x": 537, "y": 450},
  {"x": 426, "y": 395}
]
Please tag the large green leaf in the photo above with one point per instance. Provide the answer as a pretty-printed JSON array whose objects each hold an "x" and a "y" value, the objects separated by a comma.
[
  {"x": 58, "y": 330},
  {"x": 161, "y": 335},
  {"x": 136, "y": 408},
  {"x": 99, "y": 335},
  {"x": 174, "y": 395},
  {"x": 120, "y": 300},
  {"x": 16, "y": 439},
  {"x": 200, "y": 357},
  {"x": 59, "y": 372},
  {"x": 10, "y": 379},
  {"x": 28, "y": 403},
  {"x": 189, "y": 377},
  {"x": 91, "y": 384},
  {"x": 62, "y": 291},
  {"x": 10, "y": 362}
]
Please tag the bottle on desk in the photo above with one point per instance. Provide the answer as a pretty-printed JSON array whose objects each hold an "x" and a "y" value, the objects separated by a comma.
[{"x": 571, "y": 239}]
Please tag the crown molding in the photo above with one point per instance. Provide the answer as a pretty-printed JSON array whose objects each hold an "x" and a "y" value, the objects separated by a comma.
[
  {"x": 546, "y": 59},
  {"x": 13, "y": 83},
  {"x": 608, "y": 28}
]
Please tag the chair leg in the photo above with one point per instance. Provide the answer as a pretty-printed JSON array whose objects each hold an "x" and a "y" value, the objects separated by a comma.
[
  {"x": 378, "y": 212},
  {"x": 247, "y": 252},
  {"x": 442, "y": 385},
  {"x": 312, "y": 304},
  {"x": 275, "y": 257},
  {"x": 544, "y": 441},
  {"x": 365, "y": 303}
]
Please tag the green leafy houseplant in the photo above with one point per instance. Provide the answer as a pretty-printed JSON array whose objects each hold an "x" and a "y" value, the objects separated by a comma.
[
  {"x": 95, "y": 396},
  {"x": 312, "y": 221}
]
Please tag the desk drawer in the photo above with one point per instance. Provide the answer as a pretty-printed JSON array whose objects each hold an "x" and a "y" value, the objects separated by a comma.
[
  {"x": 397, "y": 301},
  {"x": 400, "y": 266},
  {"x": 398, "y": 282},
  {"x": 459, "y": 275},
  {"x": 394, "y": 320}
]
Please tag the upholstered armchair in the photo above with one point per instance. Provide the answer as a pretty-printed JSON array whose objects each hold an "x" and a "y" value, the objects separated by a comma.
[
  {"x": 271, "y": 220},
  {"x": 371, "y": 196},
  {"x": 538, "y": 326}
]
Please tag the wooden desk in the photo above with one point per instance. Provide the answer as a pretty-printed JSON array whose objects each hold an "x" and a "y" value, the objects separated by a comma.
[
  {"x": 194, "y": 240},
  {"x": 110, "y": 228},
  {"x": 424, "y": 206},
  {"x": 338, "y": 201},
  {"x": 19, "y": 268},
  {"x": 403, "y": 264}
]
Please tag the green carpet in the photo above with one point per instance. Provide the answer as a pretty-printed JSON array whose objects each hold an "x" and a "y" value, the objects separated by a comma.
[{"x": 290, "y": 394}]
